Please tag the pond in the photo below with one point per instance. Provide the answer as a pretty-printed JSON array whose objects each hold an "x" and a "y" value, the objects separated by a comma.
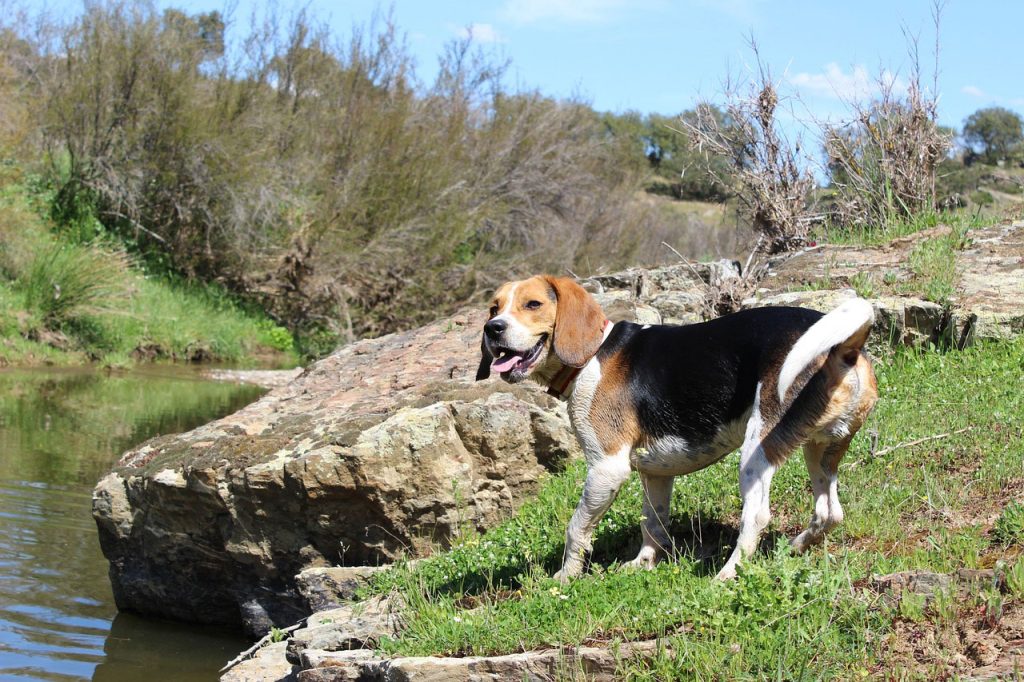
[{"x": 60, "y": 431}]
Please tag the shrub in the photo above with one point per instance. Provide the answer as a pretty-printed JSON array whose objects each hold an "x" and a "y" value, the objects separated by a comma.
[
  {"x": 771, "y": 178},
  {"x": 883, "y": 163},
  {"x": 66, "y": 281},
  {"x": 323, "y": 180}
]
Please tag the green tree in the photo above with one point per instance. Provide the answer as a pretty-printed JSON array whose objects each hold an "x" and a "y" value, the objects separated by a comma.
[{"x": 993, "y": 133}]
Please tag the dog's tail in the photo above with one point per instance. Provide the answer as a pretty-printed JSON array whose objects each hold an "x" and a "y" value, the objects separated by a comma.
[{"x": 845, "y": 330}]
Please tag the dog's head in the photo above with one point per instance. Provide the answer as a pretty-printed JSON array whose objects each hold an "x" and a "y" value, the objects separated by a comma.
[{"x": 536, "y": 322}]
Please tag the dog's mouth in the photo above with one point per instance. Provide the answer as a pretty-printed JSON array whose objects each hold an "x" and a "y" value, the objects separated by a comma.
[{"x": 520, "y": 361}]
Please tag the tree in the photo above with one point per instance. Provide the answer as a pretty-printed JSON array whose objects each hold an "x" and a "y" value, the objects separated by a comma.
[{"x": 993, "y": 132}]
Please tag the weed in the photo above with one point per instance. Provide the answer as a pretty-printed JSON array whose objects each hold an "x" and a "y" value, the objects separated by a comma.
[
  {"x": 1015, "y": 580},
  {"x": 1009, "y": 528},
  {"x": 864, "y": 284},
  {"x": 911, "y": 606}
]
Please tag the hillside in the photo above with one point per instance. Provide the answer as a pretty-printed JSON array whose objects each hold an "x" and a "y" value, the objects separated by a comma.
[{"x": 67, "y": 300}]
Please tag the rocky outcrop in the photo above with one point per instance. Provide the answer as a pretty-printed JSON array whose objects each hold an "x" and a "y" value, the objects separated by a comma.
[
  {"x": 989, "y": 295},
  {"x": 384, "y": 449},
  {"x": 338, "y": 645}
]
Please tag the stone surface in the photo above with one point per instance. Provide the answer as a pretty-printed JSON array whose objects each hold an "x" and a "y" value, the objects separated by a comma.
[
  {"x": 323, "y": 588},
  {"x": 268, "y": 664},
  {"x": 989, "y": 298},
  {"x": 353, "y": 626},
  {"x": 385, "y": 448}
]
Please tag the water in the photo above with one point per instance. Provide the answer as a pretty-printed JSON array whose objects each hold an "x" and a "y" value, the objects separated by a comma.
[{"x": 59, "y": 433}]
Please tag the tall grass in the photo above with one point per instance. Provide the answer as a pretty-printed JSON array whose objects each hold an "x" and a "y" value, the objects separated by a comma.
[{"x": 68, "y": 281}]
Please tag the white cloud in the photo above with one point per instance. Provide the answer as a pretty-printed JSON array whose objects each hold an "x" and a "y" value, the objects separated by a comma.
[
  {"x": 480, "y": 33},
  {"x": 974, "y": 91},
  {"x": 836, "y": 83},
  {"x": 566, "y": 11}
]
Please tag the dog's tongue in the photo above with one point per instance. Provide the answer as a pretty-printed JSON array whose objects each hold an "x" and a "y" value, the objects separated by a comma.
[{"x": 505, "y": 363}]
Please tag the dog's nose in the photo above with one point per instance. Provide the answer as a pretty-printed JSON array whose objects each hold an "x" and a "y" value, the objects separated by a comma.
[{"x": 495, "y": 327}]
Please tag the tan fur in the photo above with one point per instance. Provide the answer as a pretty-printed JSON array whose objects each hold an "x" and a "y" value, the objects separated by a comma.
[
  {"x": 848, "y": 395},
  {"x": 612, "y": 413},
  {"x": 579, "y": 322}
]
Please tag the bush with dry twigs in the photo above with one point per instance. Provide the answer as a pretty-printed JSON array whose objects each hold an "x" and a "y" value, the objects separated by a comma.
[
  {"x": 770, "y": 176},
  {"x": 883, "y": 163}
]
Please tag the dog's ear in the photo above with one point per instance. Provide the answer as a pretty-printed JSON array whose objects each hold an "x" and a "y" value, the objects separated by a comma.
[
  {"x": 484, "y": 370},
  {"x": 579, "y": 322}
]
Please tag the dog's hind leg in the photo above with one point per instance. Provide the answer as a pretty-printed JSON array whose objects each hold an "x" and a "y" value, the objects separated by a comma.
[
  {"x": 604, "y": 478},
  {"x": 657, "y": 541},
  {"x": 822, "y": 460},
  {"x": 760, "y": 457}
]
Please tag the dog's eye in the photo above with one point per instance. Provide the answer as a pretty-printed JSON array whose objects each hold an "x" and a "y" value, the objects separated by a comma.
[
  {"x": 494, "y": 310},
  {"x": 533, "y": 305}
]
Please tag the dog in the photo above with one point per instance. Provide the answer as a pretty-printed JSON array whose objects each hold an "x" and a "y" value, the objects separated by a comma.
[{"x": 667, "y": 400}]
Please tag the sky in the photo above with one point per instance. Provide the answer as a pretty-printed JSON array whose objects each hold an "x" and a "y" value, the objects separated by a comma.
[{"x": 663, "y": 56}]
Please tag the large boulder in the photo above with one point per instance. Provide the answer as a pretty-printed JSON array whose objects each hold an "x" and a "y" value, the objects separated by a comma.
[{"x": 385, "y": 449}]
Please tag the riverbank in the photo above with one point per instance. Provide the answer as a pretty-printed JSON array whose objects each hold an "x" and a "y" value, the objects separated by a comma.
[{"x": 68, "y": 298}]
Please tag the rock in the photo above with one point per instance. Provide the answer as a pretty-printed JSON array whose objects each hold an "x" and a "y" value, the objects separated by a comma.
[
  {"x": 384, "y": 449},
  {"x": 353, "y": 626},
  {"x": 268, "y": 664},
  {"x": 988, "y": 303},
  {"x": 590, "y": 663},
  {"x": 927, "y": 583},
  {"x": 324, "y": 588}
]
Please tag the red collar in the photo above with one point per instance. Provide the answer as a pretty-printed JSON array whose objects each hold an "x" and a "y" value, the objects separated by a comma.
[{"x": 560, "y": 384}]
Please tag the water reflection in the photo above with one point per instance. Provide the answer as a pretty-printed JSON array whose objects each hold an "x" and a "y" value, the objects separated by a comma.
[{"x": 59, "y": 432}]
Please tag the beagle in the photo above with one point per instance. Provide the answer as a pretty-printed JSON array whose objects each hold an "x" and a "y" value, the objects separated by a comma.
[{"x": 670, "y": 400}]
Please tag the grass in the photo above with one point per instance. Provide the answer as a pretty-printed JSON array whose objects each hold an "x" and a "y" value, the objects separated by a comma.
[
  {"x": 68, "y": 301},
  {"x": 933, "y": 262},
  {"x": 926, "y": 506},
  {"x": 883, "y": 234}
]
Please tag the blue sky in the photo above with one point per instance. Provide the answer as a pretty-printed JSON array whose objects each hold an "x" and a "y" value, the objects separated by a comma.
[{"x": 663, "y": 55}]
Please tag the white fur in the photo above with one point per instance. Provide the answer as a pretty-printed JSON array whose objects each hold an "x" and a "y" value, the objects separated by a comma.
[
  {"x": 755, "y": 485},
  {"x": 837, "y": 326},
  {"x": 516, "y": 335},
  {"x": 604, "y": 478}
]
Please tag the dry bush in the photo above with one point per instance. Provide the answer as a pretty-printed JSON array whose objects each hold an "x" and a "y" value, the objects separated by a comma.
[
  {"x": 883, "y": 163},
  {"x": 770, "y": 177}
]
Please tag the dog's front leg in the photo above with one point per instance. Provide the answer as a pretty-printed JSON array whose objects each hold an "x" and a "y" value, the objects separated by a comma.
[{"x": 604, "y": 478}]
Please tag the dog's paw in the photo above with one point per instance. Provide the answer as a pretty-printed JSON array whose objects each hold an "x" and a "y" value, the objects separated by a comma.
[
  {"x": 728, "y": 572},
  {"x": 647, "y": 559}
]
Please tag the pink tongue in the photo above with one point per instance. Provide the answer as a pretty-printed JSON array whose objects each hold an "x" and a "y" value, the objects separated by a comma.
[{"x": 505, "y": 364}]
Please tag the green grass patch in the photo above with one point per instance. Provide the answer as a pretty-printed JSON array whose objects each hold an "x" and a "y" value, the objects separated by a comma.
[
  {"x": 883, "y": 234},
  {"x": 908, "y": 506},
  {"x": 66, "y": 300}
]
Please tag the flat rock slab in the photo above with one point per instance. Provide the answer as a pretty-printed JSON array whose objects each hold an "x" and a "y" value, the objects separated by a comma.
[
  {"x": 267, "y": 664},
  {"x": 590, "y": 663},
  {"x": 327, "y": 587},
  {"x": 989, "y": 300},
  {"x": 359, "y": 625}
]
